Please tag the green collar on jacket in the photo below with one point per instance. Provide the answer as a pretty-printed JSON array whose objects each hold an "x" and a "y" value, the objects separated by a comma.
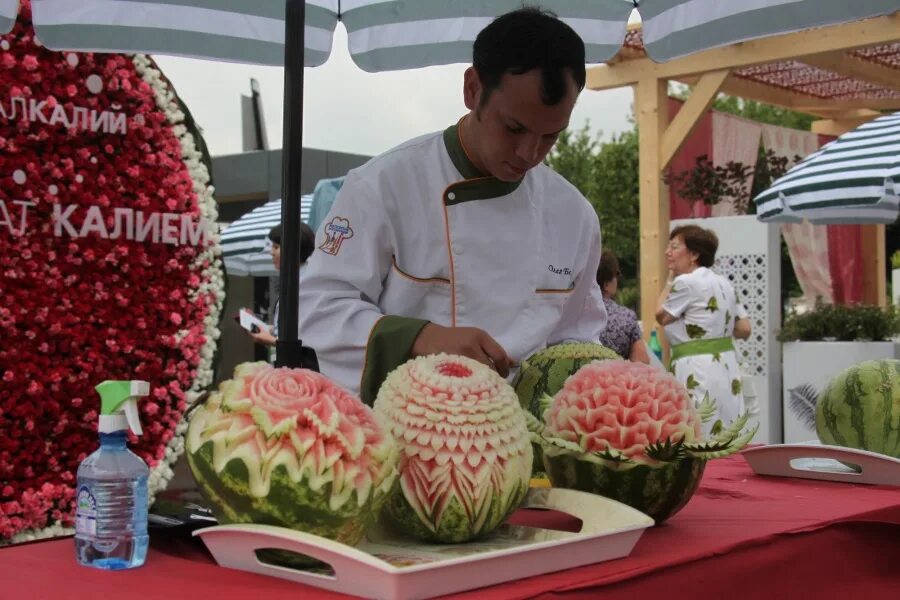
[{"x": 475, "y": 185}]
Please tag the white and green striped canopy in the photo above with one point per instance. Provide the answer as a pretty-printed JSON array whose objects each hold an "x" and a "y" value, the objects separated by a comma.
[
  {"x": 854, "y": 179},
  {"x": 400, "y": 34},
  {"x": 245, "y": 242}
]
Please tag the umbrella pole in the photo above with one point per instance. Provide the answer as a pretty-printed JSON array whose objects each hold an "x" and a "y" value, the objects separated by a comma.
[{"x": 289, "y": 350}]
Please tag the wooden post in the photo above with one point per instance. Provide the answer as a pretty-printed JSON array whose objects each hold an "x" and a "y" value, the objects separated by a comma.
[
  {"x": 651, "y": 109},
  {"x": 874, "y": 265}
]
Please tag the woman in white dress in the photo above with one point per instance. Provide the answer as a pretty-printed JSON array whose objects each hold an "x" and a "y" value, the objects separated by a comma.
[{"x": 701, "y": 314}]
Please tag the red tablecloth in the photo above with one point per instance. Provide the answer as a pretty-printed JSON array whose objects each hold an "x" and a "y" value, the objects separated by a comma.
[{"x": 741, "y": 536}]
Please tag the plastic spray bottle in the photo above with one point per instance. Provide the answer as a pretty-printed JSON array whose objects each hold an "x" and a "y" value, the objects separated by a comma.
[{"x": 111, "y": 501}]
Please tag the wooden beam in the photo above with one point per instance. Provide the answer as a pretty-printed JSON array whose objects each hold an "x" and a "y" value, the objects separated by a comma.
[
  {"x": 848, "y": 65},
  {"x": 651, "y": 109},
  {"x": 816, "y": 105},
  {"x": 784, "y": 98},
  {"x": 869, "y": 32},
  {"x": 874, "y": 265},
  {"x": 760, "y": 92},
  {"x": 686, "y": 120},
  {"x": 839, "y": 126}
]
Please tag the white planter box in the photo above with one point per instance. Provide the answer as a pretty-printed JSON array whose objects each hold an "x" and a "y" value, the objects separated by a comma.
[
  {"x": 808, "y": 367},
  {"x": 895, "y": 286}
]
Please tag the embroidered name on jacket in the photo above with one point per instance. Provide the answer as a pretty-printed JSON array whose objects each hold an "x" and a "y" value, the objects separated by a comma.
[
  {"x": 335, "y": 233},
  {"x": 559, "y": 270}
]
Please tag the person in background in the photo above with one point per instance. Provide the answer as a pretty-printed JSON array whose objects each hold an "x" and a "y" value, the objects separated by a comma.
[
  {"x": 430, "y": 247},
  {"x": 622, "y": 333},
  {"x": 701, "y": 314},
  {"x": 268, "y": 337}
]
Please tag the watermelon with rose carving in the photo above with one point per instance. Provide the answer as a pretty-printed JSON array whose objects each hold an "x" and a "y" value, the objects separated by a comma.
[
  {"x": 287, "y": 447},
  {"x": 630, "y": 432},
  {"x": 465, "y": 450},
  {"x": 543, "y": 373}
]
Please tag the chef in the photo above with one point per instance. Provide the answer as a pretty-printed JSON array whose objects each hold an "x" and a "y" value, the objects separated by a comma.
[{"x": 463, "y": 241}]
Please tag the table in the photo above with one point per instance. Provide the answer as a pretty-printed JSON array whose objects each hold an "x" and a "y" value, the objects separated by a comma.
[{"x": 741, "y": 536}]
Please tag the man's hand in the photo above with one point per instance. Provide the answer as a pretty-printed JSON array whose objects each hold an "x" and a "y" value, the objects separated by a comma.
[{"x": 466, "y": 341}]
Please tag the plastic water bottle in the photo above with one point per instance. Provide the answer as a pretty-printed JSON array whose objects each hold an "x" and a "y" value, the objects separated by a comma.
[{"x": 111, "y": 501}]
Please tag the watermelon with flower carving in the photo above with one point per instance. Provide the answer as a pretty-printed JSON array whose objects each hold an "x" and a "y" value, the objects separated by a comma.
[
  {"x": 465, "y": 450},
  {"x": 630, "y": 432},
  {"x": 287, "y": 447}
]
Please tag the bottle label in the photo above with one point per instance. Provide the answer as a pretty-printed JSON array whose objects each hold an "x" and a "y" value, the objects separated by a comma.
[{"x": 85, "y": 512}]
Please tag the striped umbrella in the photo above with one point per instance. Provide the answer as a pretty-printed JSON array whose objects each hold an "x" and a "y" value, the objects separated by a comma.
[
  {"x": 245, "y": 242},
  {"x": 853, "y": 179},
  {"x": 401, "y": 34}
]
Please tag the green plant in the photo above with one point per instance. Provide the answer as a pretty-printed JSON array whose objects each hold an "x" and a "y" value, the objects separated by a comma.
[
  {"x": 895, "y": 260},
  {"x": 629, "y": 296},
  {"x": 843, "y": 323}
]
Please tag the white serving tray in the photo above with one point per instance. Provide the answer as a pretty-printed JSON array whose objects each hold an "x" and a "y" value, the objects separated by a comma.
[
  {"x": 385, "y": 566},
  {"x": 812, "y": 460}
]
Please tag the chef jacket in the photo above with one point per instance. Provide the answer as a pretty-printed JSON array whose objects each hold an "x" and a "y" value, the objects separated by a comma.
[{"x": 418, "y": 235}]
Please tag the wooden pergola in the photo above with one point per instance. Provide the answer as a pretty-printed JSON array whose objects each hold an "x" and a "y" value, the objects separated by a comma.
[{"x": 845, "y": 74}]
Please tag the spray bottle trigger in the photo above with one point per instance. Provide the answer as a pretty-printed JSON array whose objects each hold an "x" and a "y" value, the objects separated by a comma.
[{"x": 131, "y": 414}]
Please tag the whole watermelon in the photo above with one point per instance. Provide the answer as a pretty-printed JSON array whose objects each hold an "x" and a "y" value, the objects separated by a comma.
[
  {"x": 630, "y": 432},
  {"x": 543, "y": 373},
  {"x": 860, "y": 408},
  {"x": 288, "y": 447},
  {"x": 465, "y": 458}
]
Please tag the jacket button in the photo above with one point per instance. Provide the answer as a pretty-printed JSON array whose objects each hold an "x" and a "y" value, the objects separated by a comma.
[{"x": 451, "y": 196}]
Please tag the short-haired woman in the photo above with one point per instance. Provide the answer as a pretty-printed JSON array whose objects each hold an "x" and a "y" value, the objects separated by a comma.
[
  {"x": 701, "y": 315},
  {"x": 622, "y": 332},
  {"x": 307, "y": 245}
]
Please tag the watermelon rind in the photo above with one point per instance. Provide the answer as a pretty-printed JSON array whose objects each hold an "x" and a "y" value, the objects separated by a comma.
[{"x": 658, "y": 491}]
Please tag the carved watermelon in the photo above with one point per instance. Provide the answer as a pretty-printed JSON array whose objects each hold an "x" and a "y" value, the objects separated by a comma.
[
  {"x": 630, "y": 432},
  {"x": 288, "y": 447},
  {"x": 465, "y": 451},
  {"x": 543, "y": 373},
  {"x": 860, "y": 408}
]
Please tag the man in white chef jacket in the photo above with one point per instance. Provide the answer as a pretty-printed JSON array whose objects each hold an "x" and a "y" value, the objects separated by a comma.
[{"x": 463, "y": 241}]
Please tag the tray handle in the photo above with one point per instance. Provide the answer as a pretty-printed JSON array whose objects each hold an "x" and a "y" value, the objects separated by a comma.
[
  {"x": 778, "y": 460},
  {"x": 595, "y": 513},
  {"x": 353, "y": 571}
]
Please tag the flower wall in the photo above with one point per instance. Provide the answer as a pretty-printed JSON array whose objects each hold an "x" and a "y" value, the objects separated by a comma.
[{"x": 109, "y": 267}]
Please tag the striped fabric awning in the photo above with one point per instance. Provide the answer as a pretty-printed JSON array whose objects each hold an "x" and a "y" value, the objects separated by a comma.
[
  {"x": 247, "y": 31},
  {"x": 853, "y": 179},
  {"x": 401, "y": 34},
  {"x": 245, "y": 243}
]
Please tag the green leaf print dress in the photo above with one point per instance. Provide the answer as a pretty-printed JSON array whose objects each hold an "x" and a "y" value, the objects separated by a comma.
[{"x": 705, "y": 308}]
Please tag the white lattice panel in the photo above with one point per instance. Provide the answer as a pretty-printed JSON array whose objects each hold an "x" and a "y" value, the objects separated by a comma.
[{"x": 748, "y": 275}]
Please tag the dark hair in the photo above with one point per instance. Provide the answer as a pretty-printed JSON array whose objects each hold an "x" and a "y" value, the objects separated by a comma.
[
  {"x": 696, "y": 239},
  {"x": 307, "y": 239},
  {"x": 527, "y": 39},
  {"x": 275, "y": 235},
  {"x": 608, "y": 269}
]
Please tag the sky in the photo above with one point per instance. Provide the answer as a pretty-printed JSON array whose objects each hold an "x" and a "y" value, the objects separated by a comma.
[{"x": 347, "y": 109}]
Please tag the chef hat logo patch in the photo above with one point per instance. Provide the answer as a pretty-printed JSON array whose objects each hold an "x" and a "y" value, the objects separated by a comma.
[{"x": 335, "y": 233}]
